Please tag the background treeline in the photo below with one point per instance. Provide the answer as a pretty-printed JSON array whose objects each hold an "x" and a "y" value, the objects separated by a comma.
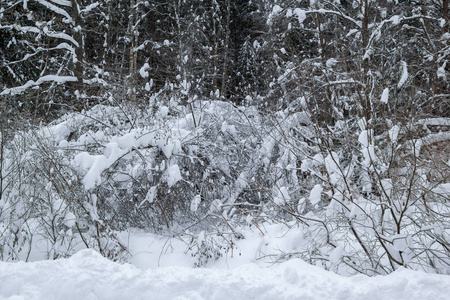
[{"x": 340, "y": 55}]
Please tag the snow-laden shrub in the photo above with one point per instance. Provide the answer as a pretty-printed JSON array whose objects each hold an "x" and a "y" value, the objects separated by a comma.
[
  {"x": 45, "y": 209},
  {"x": 375, "y": 202},
  {"x": 365, "y": 195},
  {"x": 207, "y": 247}
]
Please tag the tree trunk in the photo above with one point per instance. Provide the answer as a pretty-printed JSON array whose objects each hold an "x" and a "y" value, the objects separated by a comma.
[
  {"x": 78, "y": 37},
  {"x": 133, "y": 55},
  {"x": 227, "y": 48},
  {"x": 216, "y": 48}
]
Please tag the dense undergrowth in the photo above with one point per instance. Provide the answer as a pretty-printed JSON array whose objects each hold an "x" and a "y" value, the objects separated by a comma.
[{"x": 368, "y": 196}]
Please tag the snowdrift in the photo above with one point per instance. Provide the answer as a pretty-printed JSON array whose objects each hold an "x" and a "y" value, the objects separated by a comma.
[{"x": 87, "y": 275}]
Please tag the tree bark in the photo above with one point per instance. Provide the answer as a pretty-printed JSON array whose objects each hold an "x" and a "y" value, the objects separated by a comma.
[
  {"x": 227, "y": 48},
  {"x": 78, "y": 37},
  {"x": 133, "y": 55}
]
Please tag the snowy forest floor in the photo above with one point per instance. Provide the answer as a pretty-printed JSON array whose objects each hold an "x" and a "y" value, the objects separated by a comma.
[
  {"x": 232, "y": 191},
  {"x": 161, "y": 269}
]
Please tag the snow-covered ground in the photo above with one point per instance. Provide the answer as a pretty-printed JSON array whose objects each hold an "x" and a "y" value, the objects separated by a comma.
[
  {"x": 89, "y": 276},
  {"x": 161, "y": 268},
  {"x": 256, "y": 257}
]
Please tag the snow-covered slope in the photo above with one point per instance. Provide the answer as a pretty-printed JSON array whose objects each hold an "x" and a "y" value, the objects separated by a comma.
[{"x": 88, "y": 276}]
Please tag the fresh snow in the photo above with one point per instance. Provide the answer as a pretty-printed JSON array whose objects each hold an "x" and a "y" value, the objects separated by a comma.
[
  {"x": 404, "y": 77},
  {"x": 441, "y": 71},
  {"x": 62, "y": 2},
  {"x": 87, "y": 275},
  {"x": 275, "y": 11},
  {"x": 281, "y": 195},
  {"x": 385, "y": 96},
  {"x": 57, "y": 10},
  {"x": 260, "y": 261},
  {"x": 434, "y": 122},
  {"x": 173, "y": 175},
  {"x": 96, "y": 164},
  {"x": 316, "y": 194},
  {"x": 143, "y": 71},
  {"x": 393, "y": 133},
  {"x": 301, "y": 15},
  {"x": 195, "y": 202},
  {"x": 31, "y": 83},
  {"x": 431, "y": 139},
  {"x": 364, "y": 138},
  {"x": 151, "y": 193}
]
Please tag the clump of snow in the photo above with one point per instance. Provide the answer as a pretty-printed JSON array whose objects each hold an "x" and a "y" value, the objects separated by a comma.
[
  {"x": 441, "y": 71},
  {"x": 301, "y": 15},
  {"x": 395, "y": 19},
  {"x": 228, "y": 128},
  {"x": 363, "y": 138},
  {"x": 385, "y": 96},
  {"x": 434, "y": 122},
  {"x": 301, "y": 205},
  {"x": 393, "y": 133},
  {"x": 333, "y": 168},
  {"x": 150, "y": 196},
  {"x": 430, "y": 139},
  {"x": 281, "y": 196},
  {"x": 143, "y": 71},
  {"x": 195, "y": 203},
  {"x": 173, "y": 175},
  {"x": 85, "y": 11},
  {"x": 316, "y": 194},
  {"x": 362, "y": 123},
  {"x": 331, "y": 62},
  {"x": 96, "y": 164},
  {"x": 275, "y": 11},
  {"x": 46, "y": 78},
  {"x": 70, "y": 219},
  {"x": 168, "y": 149},
  {"x": 405, "y": 75},
  {"x": 163, "y": 111}
]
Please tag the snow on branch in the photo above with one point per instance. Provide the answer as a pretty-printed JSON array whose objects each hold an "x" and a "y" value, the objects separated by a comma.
[
  {"x": 394, "y": 20},
  {"x": 434, "y": 122},
  {"x": 57, "y": 10},
  {"x": 301, "y": 14},
  {"x": 62, "y": 2},
  {"x": 327, "y": 11},
  {"x": 349, "y": 81},
  {"x": 22, "y": 29},
  {"x": 40, "y": 49},
  {"x": 404, "y": 77},
  {"x": 60, "y": 35},
  {"x": 31, "y": 83},
  {"x": 89, "y": 8},
  {"x": 31, "y": 29},
  {"x": 431, "y": 139}
]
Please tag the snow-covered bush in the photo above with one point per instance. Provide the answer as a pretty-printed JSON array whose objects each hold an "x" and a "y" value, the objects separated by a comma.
[
  {"x": 365, "y": 195},
  {"x": 45, "y": 209},
  {"x": 375, "y": 201}
]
